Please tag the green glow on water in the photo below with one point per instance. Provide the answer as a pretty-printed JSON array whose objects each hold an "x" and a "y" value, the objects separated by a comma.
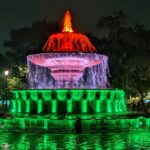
[{"x": 131, "y": 140}]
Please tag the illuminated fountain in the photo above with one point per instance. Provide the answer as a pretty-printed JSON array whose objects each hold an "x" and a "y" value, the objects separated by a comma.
[
  {"x": 70, "y": 62},
  {"x": 68, "y": 83}
]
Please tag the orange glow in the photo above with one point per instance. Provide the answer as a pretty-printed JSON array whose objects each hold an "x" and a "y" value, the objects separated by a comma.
[
  {"x": 68, "y": 40},
  {"x": 67, "y": 25}
]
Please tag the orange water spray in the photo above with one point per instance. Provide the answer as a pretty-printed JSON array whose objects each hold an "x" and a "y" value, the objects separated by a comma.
[
  {"x": 68, "y": 40},
  {"x": 67, "y": 25}
]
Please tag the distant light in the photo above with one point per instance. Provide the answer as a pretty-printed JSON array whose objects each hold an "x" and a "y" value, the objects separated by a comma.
[
  {"x": 4, "y": 101},
  {"x": 6, "y": 73},
  {"x": 146, "y": 101}
]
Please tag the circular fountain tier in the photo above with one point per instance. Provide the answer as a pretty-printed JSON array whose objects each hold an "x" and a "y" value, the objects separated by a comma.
[{"x": 66, "y": 66}]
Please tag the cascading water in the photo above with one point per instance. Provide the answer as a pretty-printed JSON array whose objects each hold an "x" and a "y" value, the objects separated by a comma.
[
  {"x": 68, "y": 40},
  {"x": 68, "y": 63},
  {"x": 67, "y": 70}
]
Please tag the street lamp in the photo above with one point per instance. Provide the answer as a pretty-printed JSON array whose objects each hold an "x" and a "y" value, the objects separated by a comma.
[{"x": 6, "y": 72}]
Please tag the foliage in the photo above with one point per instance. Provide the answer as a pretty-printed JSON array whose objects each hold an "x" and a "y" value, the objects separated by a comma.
[
  {"x": 129, "y": 53},
  {"x": 28, "y": 40},
  {"x": 18, "y": 77},
  {"x": 22, "y": 42}
]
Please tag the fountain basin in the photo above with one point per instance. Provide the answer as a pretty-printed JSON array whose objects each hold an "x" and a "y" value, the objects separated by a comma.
[{"x": 66, "y": 66}]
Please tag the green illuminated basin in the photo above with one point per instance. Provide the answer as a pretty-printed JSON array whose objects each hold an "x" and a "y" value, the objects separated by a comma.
[
  {"x": 64, "y": 101},
  {"x": 65, "y": 110}
]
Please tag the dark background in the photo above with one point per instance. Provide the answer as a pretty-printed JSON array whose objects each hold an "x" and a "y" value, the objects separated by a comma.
[{"x": 16, "y": 14}]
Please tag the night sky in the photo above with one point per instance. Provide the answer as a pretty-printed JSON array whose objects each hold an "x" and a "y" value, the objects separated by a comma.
[{"x": 15, "y": 14}]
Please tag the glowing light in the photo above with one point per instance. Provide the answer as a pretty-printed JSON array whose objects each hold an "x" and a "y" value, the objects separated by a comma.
[
  {"x": 68, "y": 41},
  {"x": 6, "y": 73},
  {"x": 67, "y": 25},
  {"x": 78, "y": 96}
]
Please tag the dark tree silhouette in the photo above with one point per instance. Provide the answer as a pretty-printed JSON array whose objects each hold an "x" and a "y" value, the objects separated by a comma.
[
  {"x": 22, "y": 42},
  {"x": 29, "y": 40},
  {"x": 128, "y": 48}
]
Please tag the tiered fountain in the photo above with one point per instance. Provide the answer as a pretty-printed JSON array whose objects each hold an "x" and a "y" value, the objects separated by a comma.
[{"x": 67, "y": 83}]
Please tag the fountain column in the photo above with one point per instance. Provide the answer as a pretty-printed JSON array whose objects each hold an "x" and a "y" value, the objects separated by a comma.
[
  {"x": 84, "y": 107},
  {"x": 116, "y": 107},
  {"x": 19, "y": 105},
  {"x": 108, "y": 109},
  {"x": 69, "y": 106},
  {"x": 98, "y": 106},
  {"x": 14, "y": 106},
  {"x": 97, "y": 102},
  {"x": 54, "y": 106},
  {"x": 39, "y": 106},
  {"x": 28, "y": 108}
]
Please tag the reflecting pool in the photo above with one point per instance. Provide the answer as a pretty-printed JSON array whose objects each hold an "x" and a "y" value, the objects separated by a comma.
[{"x": 132, "y": 140}]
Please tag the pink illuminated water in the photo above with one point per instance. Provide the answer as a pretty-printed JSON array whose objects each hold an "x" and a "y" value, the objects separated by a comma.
[{"x": 67, "y": 70}]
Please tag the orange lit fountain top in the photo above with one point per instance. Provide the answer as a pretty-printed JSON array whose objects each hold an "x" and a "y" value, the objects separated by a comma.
[
  {"x": 68, "y": 40},
  {"x": 67, "y": 25}
]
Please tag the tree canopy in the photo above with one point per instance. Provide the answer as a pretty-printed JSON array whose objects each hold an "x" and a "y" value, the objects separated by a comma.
[
  {"x": 29, "y": 40},
  {"x": 22, "y": 42},
  {"x": 128, "y": 47}
]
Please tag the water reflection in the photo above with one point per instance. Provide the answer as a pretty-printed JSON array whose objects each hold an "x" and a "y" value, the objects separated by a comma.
[{"x": 110, "y": 141}]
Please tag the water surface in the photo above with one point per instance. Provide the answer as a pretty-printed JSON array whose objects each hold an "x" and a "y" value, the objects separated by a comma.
[{"x": 131, "y": 140}]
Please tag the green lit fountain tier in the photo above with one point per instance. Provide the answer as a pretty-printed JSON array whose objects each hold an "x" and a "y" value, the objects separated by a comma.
[{"x": 75, "y": 101}]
